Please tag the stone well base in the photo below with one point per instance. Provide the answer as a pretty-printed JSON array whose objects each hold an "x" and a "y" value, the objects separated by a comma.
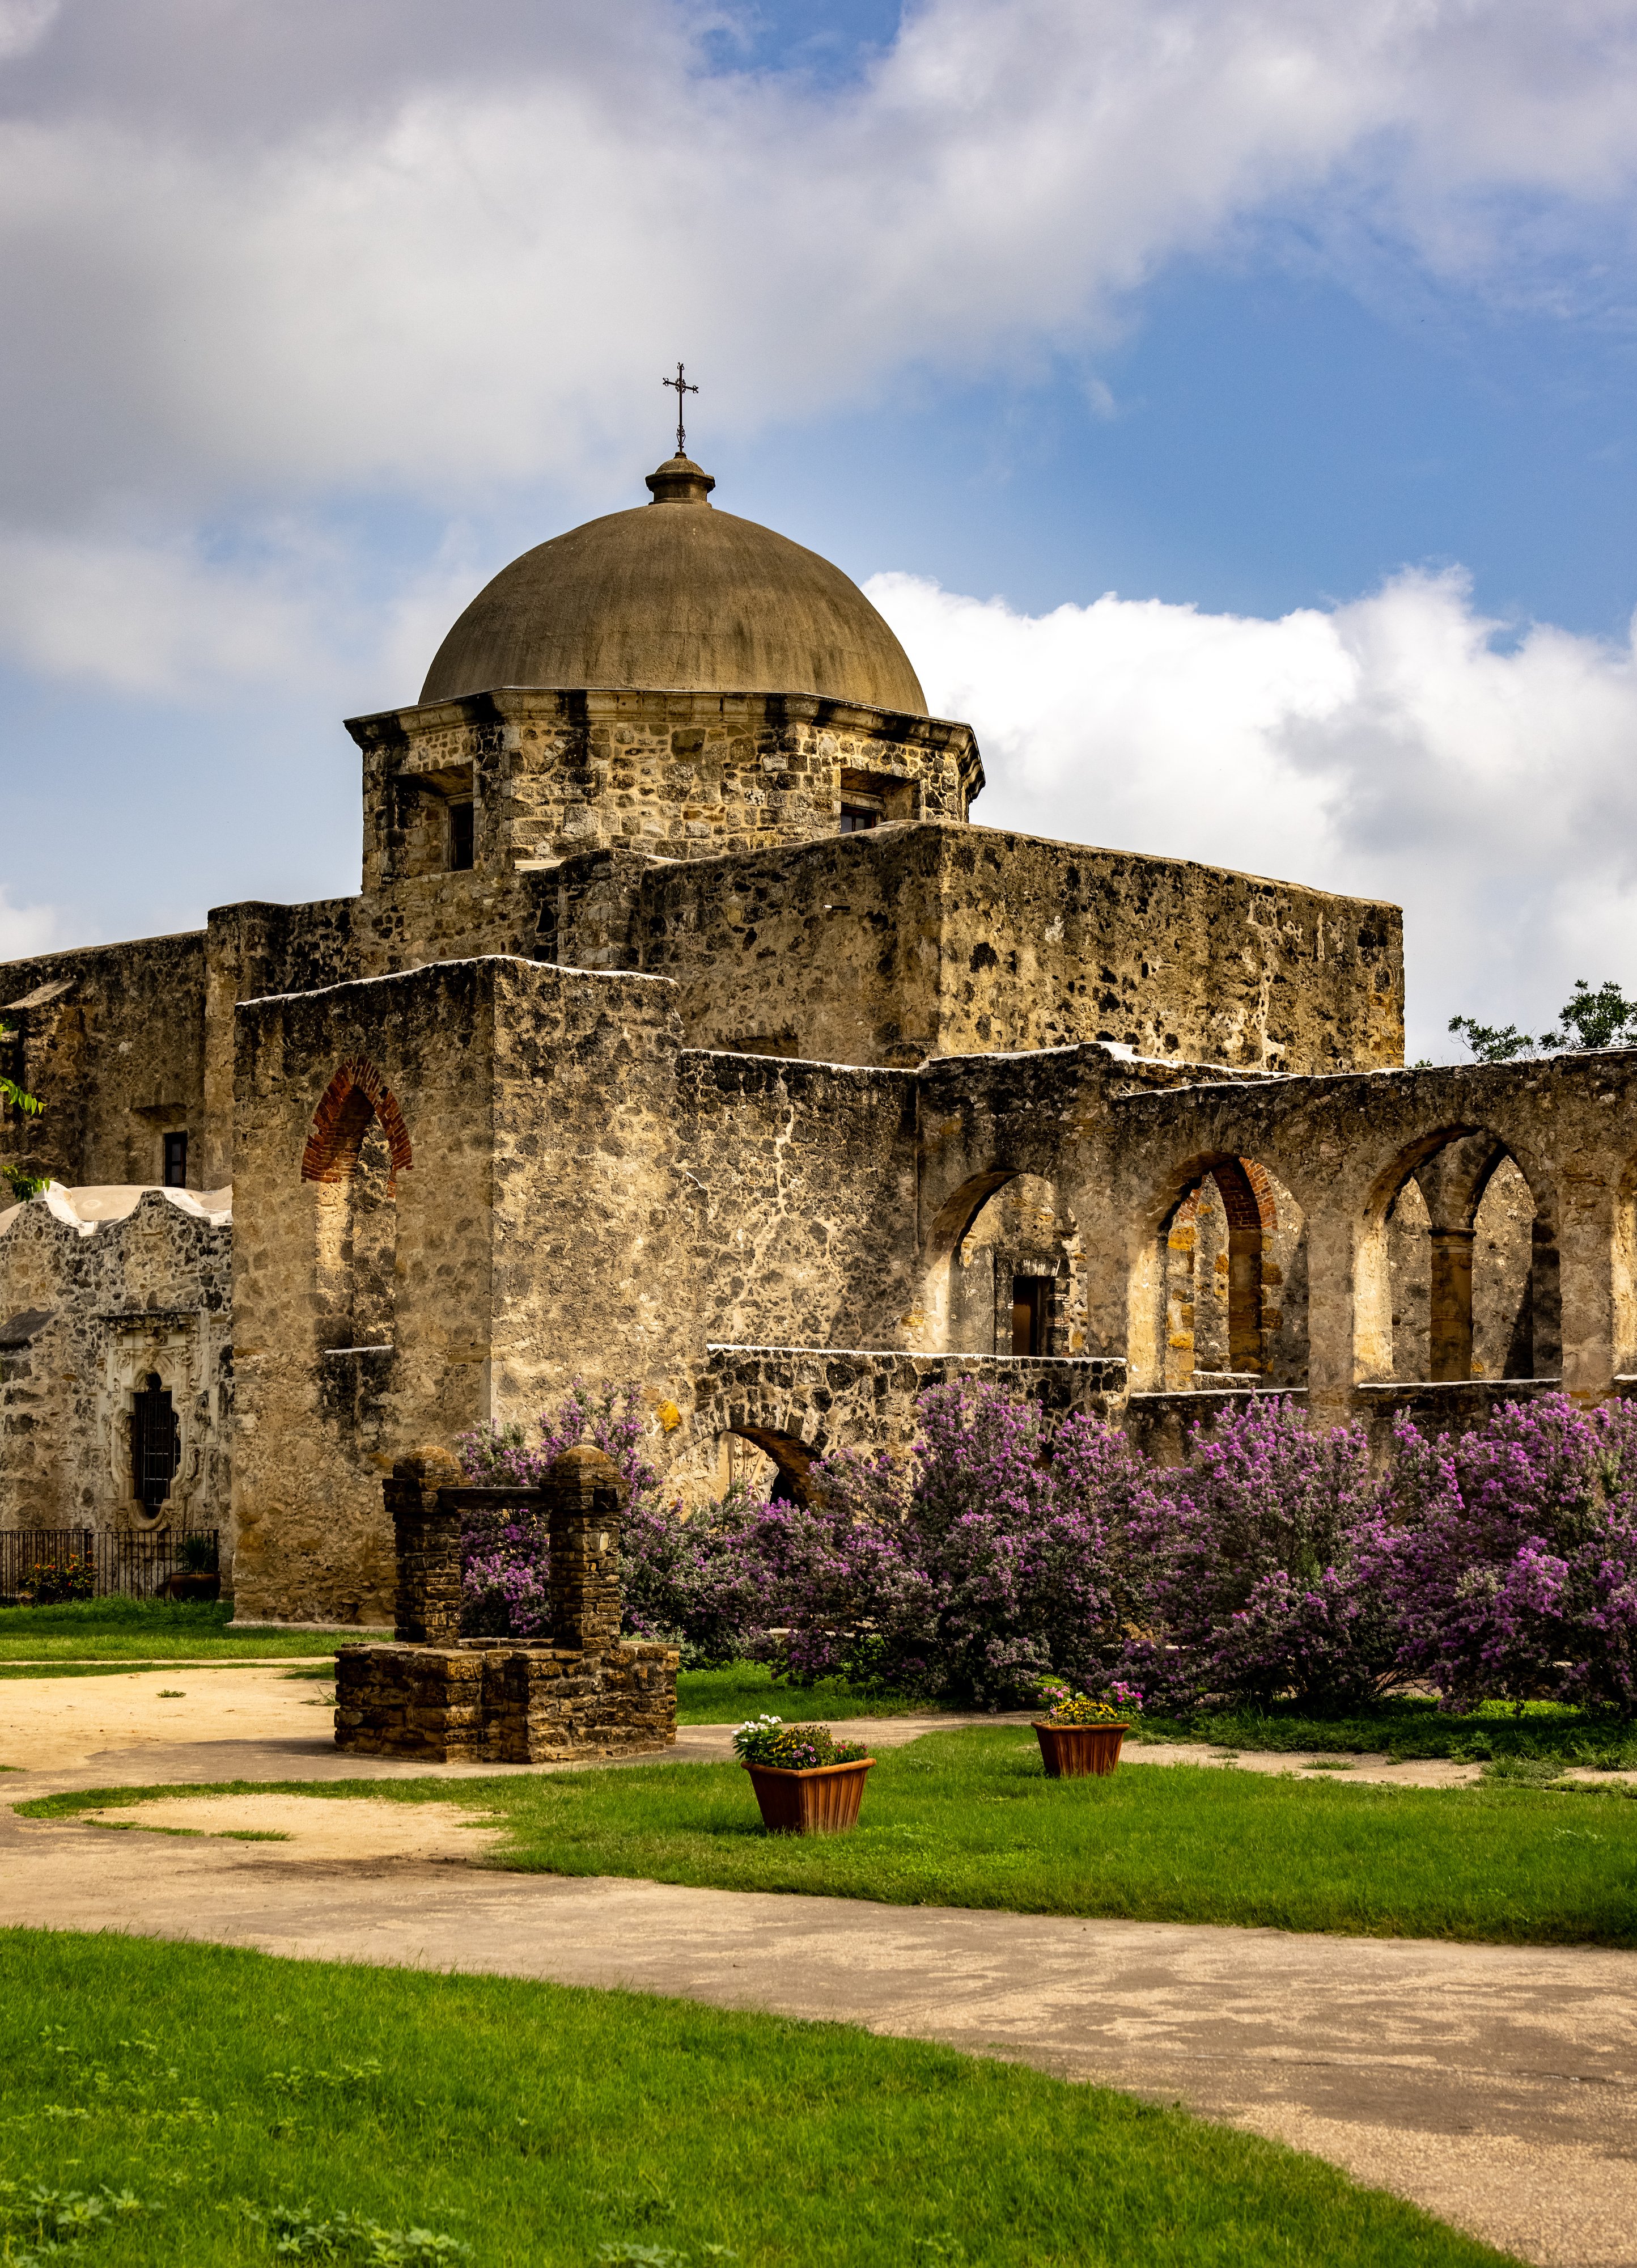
[{"x": 504, "y": 1701}]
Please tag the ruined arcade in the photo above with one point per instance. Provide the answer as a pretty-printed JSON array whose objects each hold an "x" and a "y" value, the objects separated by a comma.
[{"x": 687, "y": 1028}]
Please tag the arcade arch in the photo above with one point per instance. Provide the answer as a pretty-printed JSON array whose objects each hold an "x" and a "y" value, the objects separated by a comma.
[
  {"x": 1226, "y": 1279},
  {"x": 1457, "y": 1267},
  {"x": 357, "y": 1147}
]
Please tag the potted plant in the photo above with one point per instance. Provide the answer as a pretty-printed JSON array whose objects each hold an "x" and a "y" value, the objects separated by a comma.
[
  {"x": 199, "y": 1575},
  {"x": 806, "y": 1781},
  {"x": 1082, "y": 1736}
]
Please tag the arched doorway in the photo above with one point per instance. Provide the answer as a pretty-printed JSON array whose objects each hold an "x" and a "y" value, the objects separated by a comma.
[
  {"x": 1230, "y": 1282},
  {"x": 1015, "y": 1283},
  {"x": 357, "y": 1149}
]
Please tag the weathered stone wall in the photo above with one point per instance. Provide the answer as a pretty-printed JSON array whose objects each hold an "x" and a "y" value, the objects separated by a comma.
[
  {"x": 88, "y": 1309},
  {"x": 686, "y": 775},
  {"x": 801, "y": 1181},
  {"x": 111, "y": 1040},
  {"x": 797, "y": 1403},
  {"x": 907, "y": 941},
  {"x": 532, "y": 1230}
]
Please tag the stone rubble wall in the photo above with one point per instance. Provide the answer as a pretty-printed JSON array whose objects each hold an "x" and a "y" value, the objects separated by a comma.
[
  {"x": 685, "y": 775},
  {"x": 87, "y": 1312},
  {"x": 907, "y": 941}
]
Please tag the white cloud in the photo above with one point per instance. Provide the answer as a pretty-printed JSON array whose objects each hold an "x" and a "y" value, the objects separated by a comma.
[
  {"x": 339, "y": 248},
  {"x": 1396, "y": 748},
  {"x": 26, "y": 930}
]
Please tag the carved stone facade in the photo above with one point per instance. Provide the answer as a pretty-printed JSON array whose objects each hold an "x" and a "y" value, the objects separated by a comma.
[{"x": 698, "y": 1037}]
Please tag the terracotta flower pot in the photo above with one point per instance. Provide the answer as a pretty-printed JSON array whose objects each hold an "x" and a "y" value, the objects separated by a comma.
[
  {"x": 185, "y": 1585},
  {"x": 1077, "y": 1751},
  {"x": 822, "y": 1801}
]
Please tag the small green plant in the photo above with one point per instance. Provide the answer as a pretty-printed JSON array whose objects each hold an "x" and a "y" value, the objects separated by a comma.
[
  {"x": 23, "y": 1186},
  {"x": 38, "y": 2224},
  {"x": 771, "y": 1742},
  {"x": 297, "y": 2233},
  {"x": 198, "y": 1553}
]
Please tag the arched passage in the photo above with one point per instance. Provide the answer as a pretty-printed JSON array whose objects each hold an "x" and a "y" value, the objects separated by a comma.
[
  {"x": 1002, "y": 1272},
  {"x": 355, "y": 1152},
  {"x": 777, "y": 1463},
  {"x": 1219, "y": 1288},
  {"x": 1457, "y": 1267}
]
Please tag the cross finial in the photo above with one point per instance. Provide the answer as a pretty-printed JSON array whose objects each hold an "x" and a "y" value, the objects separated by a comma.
[{"x": 681, "y": 387}]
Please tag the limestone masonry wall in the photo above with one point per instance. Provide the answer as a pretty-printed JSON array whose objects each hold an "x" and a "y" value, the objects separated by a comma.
[
  {"x": 86, "y": 1315},
  {"x": 689, "y": 774},
  {"x": 905, "y": 941},
  {"x": 111, "y": 1040}
]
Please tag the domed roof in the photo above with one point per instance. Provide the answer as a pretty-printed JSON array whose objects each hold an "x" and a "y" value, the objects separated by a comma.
[{"x": 676, "y": 596}]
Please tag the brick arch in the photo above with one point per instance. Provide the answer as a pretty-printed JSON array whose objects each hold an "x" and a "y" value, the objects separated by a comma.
[
  {"x": 355, "y": 1094},
  {"x": 1247, "y": 1194}
]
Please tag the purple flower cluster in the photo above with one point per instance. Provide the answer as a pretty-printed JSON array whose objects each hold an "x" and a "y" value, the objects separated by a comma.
[
  {"x": 1506, "y": 1559},
  {"x": 1008, "y": 1548}
]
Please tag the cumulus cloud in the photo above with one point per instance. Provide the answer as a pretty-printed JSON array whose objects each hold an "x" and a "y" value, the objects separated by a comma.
[
  {"x": 1401, "y": 747},
  {"x": 404, "y": 247},
  {"x": 26, "y": 930}
]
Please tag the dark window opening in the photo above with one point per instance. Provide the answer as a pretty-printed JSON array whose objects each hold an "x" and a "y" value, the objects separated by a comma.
[
  {"x": 176, "y": 1161},
  {"x": 1029, "y": 1313},
  {"x": 156, "y": 1444},
  {"x": 783, "y": 1489},
  {"x": 855, "y": 817},
  {"x": 460, "y": 837}
]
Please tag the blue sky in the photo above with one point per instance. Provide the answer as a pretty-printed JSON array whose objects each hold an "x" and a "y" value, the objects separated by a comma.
[{"x": 1234, "y": 401}]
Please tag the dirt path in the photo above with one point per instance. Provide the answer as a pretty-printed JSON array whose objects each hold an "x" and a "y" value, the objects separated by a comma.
[{"x": 1495, "y": 2086}]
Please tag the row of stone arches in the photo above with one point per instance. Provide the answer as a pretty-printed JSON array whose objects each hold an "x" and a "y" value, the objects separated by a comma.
[{"x": 1454, "y": 1262}]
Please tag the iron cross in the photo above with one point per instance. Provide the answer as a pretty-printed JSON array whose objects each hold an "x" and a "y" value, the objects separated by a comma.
[{"x": 682, "y": 388}]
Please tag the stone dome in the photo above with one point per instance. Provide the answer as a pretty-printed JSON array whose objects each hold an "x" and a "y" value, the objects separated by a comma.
[{"x": 676, "y": 596}]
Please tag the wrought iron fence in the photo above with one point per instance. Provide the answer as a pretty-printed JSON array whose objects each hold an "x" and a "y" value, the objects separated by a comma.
[{"x": 121, "y": 1562}]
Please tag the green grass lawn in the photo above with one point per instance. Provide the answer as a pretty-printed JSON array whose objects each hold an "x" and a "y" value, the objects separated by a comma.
[
  {"x": 746, "y": 1689},
  {"x": 968, "y": 1819},
  {"x": 234, "y": 2102},
  {"x": 149, "y": 1629},
  {"x": 1543, "y": 1731}
]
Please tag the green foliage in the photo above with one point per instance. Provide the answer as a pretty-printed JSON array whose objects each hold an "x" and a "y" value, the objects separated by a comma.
[
  {"x": 298, "y": 2233},
  {"x": 38, "y": 2224},
  {"x": 1492, "y": 1043},
  {"x": 742, "y": 1689},
  {"x": 1602, "y": 1019},
  {"x": 152, "y": 1630},
  {"x": 513, "y": 2122},
  {"x": 54, "y": 1583},
  {"x": 1405, "y": 1729},
  {"x": 23, "y": 1186}
]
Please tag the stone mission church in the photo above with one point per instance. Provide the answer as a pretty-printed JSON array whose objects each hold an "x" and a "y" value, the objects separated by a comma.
[{"x": 685, "y": 1029}]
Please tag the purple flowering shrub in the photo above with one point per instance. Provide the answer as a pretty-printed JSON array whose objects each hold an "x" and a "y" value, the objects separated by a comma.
[
  {"x": 711, "y": 1584},
  {"x": 1507, "y": 1558},
  {"x": 505, "y": 1555},
  {"x": 1250, "y": 1579},
  {"x": 993, "y": 1560},
  {"x": 1009, "y": 1547}
]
